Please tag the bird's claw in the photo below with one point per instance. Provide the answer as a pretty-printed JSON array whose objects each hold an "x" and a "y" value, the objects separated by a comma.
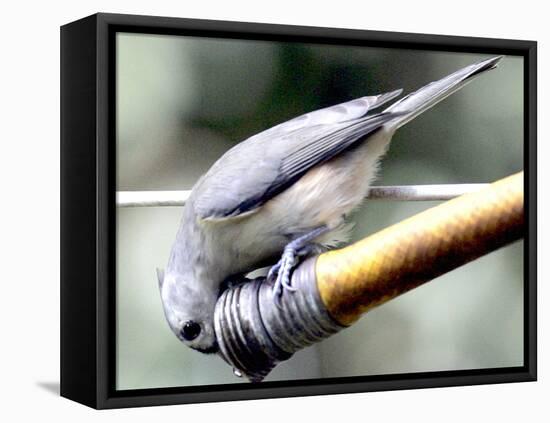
[
  {"x": 300, "y": 247},
  {"x": 272, "y": 274},
  {"x": 281, "y": 272}
]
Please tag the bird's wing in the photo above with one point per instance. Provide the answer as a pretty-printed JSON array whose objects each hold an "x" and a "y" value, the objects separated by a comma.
[
  {"x": 338, "y": 113},
  {"x": 256, "y": 170}
]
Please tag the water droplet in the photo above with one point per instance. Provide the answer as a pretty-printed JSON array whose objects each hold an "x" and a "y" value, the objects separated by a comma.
[{"x": 237, "y": 372}]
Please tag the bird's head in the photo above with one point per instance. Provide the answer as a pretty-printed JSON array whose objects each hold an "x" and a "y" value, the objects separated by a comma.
[{"x": 189, "y": 309}]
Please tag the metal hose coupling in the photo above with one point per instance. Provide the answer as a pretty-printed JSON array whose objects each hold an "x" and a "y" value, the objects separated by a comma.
[
  {"x": 333, "y": 290},
  {"x": 255, "y": 334}
]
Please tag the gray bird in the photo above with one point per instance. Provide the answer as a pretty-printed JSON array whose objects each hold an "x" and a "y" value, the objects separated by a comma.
[{"x": 285, "y": 190}]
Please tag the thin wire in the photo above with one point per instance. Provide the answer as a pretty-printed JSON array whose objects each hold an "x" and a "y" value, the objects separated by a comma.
[{"x": 440, "y": 192}]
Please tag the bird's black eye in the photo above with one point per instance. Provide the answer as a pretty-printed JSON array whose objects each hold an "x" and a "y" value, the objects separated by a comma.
[{"x": 190, "y": 330}]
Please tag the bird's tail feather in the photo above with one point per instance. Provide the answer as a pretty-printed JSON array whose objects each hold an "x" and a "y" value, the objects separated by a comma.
[{"x": 421, "y": 100}]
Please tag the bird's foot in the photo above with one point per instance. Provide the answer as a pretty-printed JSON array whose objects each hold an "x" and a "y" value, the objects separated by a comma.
[{"x": 282, "y": 271}]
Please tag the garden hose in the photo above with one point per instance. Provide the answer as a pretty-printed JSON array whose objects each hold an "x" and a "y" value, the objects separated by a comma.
[{"x": 335, "y": 288}]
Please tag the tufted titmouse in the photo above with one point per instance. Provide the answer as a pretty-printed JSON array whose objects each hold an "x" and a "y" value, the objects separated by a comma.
[{"x": 287, "y": 190}]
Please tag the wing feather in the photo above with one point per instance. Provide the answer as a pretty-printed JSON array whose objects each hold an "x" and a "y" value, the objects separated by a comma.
[{"x": 259, "y": 168}]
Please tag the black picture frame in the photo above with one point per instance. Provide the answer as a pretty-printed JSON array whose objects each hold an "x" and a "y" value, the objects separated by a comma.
[{"x": 88, "y": 210}]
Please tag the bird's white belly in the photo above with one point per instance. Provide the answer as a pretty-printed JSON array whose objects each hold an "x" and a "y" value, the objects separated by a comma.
[
  {"x": 330, "y": 191},
  {"x": 323, "y": 196}
]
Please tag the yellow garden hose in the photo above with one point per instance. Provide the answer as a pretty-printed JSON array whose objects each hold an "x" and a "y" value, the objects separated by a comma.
[{"x": 376, "y": 269}]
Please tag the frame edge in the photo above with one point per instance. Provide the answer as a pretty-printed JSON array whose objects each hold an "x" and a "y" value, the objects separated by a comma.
[{"x": 78, "y": 212}]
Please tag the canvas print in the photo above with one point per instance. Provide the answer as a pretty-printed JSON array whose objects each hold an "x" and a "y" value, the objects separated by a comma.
[{"x": 276, "y": 199}]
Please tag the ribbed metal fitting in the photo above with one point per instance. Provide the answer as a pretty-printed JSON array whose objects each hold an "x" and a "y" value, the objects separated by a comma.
[{"x": 255, "y": 334}]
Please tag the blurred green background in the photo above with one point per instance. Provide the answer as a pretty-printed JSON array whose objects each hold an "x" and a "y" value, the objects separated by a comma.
[{"x": 183, "y": 101}]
